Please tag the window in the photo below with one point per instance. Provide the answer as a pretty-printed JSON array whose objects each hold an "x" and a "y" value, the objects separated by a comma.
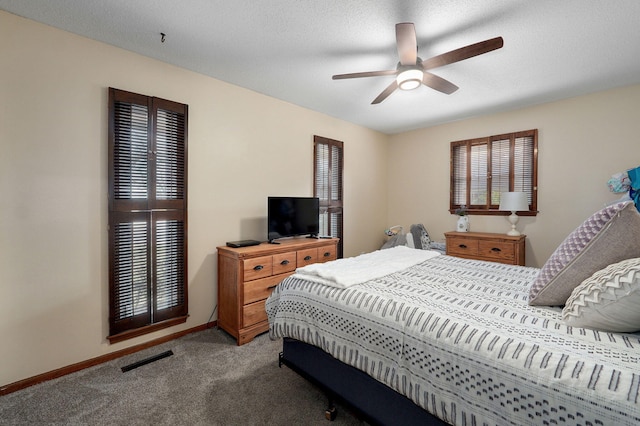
[
  {"x": 483, "y": 168},
  {"x": 147, "y": 214},
  {"x": 327, "y": 182}
]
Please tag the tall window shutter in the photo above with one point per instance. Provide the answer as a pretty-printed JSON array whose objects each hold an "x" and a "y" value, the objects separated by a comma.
[
  {"x": 327, "y": 183},
  {"x": 147, "y": 213}
]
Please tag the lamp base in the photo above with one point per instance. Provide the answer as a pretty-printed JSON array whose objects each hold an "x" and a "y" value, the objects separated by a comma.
[{"x": 513, "y": 219}]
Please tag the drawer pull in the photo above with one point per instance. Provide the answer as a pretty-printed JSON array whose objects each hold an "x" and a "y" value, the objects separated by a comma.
[
  {"x": 496, "y": 250},
  {"x": 307, "y": 258},
  {"x": 258, "y": 268},
  {"x": 284, "y": 262},
  {"x": 327, "y": 254},
  {"x": 462, "y": 246}
]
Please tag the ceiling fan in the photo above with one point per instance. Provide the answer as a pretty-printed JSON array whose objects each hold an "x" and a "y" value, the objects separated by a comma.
[{"x": 412, "y": 71}]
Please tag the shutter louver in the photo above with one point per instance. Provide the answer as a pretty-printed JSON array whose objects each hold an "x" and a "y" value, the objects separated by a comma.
[
  {"x": 500, "y": 166},
  {"x": 523, "y": 166},
  {"x": 322, "y": 173},
  {"x": 170, "y": 265},
  {"x": 169, "y": 155},
  {"x": 130, "y": 156},
  {"x": 131, "y": 270},
  {"x": 479, "y": 174},
  {"x": 336, "y": 173},
  {"x": 459, "y": 154}
]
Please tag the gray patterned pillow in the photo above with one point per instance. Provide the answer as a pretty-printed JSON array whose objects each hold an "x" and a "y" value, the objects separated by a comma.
[
  {"x": 608, "y": 236},
  {"x": 608, "y": 300}
]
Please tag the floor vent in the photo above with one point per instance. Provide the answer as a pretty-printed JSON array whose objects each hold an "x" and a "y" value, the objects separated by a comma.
[{"x": 146, "y": 361}]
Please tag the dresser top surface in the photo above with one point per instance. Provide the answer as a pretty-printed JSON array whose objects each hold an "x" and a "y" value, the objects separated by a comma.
[
  {"x": 282, "y": 246},
  {"x": 484, "y": 236}
]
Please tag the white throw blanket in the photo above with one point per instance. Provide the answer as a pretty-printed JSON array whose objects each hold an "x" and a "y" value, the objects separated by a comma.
[{"x": 347, "y": 272}]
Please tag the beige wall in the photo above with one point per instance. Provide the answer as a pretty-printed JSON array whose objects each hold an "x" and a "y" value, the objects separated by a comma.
[
  {"x": 243, "y": 146},
  {"x": 582, "y": 142}
]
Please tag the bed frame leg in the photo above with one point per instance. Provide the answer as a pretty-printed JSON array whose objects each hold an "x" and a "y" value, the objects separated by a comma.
[{"x": 331, "y": 412}]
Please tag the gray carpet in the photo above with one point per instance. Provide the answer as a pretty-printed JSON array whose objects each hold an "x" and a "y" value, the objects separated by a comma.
[{"x": 208, "y": 381}]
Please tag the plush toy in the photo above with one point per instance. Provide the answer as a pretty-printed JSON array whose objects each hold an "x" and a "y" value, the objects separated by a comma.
[
  {"x": 627, "y": 182},
  {"x": 619, "y": 182}
]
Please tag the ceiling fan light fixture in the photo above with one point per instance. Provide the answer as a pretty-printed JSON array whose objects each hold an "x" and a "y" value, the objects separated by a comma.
[{"x": 410, "y": 79}]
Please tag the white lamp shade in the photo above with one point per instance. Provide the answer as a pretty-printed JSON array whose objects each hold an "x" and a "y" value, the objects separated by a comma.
[{"x": 514, "y": 201}]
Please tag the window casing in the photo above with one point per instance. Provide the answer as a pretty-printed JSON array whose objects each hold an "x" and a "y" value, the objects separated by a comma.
[
  {"x": 147, "y": 214},
  {"x": 483, "y": 168},
  {"x": 327, "y": 183}
]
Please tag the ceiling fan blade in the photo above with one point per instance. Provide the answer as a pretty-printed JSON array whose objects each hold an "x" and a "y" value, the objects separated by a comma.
[
  {"x": 463, "y": 53},
  {"x": 438, "y": 83},
  {"x": 385, "y": 93},
  {"x": 407, "y": 43},
  {"x": 363, "y": 74}
]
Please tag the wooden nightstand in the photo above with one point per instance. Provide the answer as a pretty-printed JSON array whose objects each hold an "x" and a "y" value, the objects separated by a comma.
[{"x": 485, "y": 246}]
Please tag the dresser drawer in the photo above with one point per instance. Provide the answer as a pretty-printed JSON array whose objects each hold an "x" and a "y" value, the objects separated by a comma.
[
  {"x": 253, "y": 313},
  {"x": 307, "y": 257},
  {"x": 258, "y": 267},
  {"x": 328, "y": 253},
  {"x": 261, "y": 289},
  {"x": 497, "y": 250},
  {"x": 285, "y": 262},
  {"x": 462, "y": 246}
]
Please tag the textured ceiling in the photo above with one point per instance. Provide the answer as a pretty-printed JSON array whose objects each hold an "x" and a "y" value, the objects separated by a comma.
[{"x": 289, "y": 49}]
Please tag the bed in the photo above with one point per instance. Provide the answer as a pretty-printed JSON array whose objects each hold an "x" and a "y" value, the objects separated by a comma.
[{"x": 409, "y": 336}]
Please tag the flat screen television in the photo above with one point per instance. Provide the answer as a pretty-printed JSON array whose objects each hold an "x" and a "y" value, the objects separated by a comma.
[{"x": 291, "y": 216}]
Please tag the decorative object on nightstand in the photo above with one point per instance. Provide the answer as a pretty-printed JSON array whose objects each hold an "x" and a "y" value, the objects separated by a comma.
[
  {"x": 463, "y": 220},
  {"x": 514, "y": 202}
]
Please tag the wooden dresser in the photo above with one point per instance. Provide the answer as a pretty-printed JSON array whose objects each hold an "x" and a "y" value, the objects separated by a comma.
[
  {"x": 247, "y": 275},
  {"x": 485, "y": 246}
]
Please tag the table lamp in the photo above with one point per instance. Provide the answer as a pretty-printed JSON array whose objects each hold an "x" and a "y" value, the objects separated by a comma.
[{"x": 514, "y": 202}]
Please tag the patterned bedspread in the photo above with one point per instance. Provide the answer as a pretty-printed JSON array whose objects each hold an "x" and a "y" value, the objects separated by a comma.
[{"x": 458, "y": 337}]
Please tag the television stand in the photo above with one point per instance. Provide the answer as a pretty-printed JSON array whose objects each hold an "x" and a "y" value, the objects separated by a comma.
[{"x": 248, "y": 275}]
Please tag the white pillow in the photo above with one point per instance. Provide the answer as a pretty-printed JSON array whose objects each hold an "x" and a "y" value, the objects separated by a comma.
[{"x": 609, "y": 300}]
